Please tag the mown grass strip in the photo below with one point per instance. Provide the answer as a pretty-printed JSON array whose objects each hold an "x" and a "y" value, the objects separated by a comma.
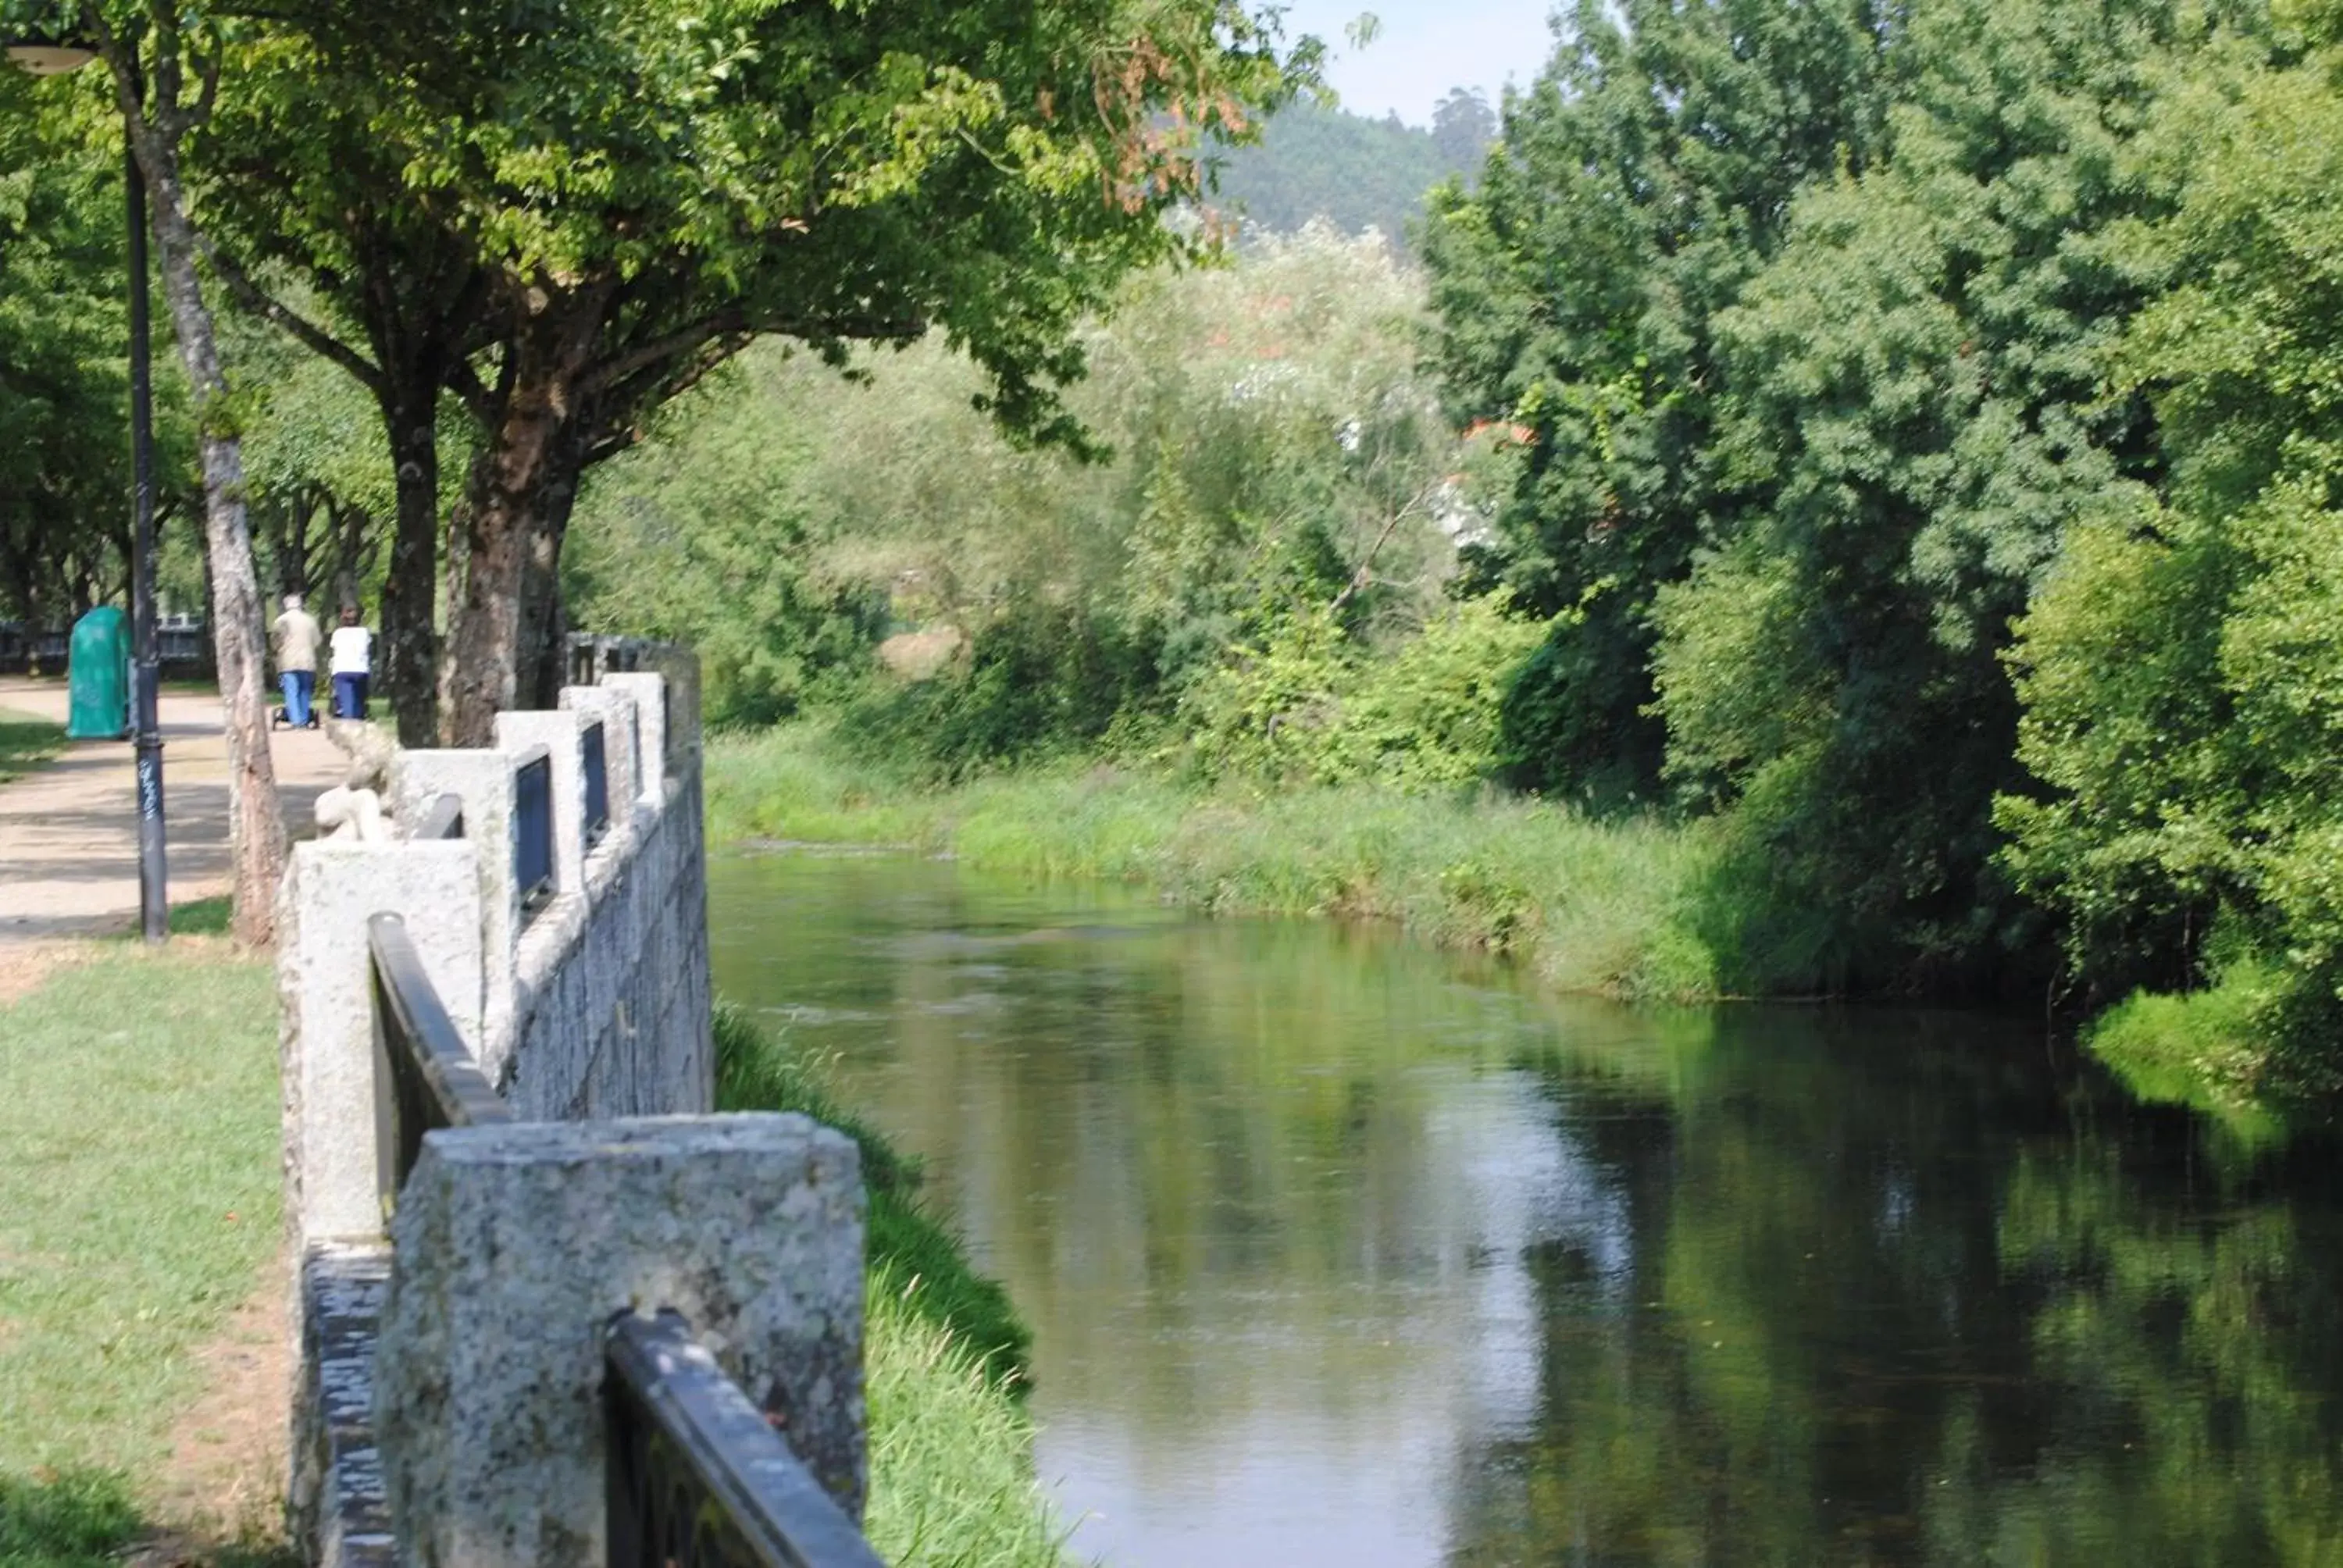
[
  {"x": 25, "y": 742},
  {"x": 139, "y": 1203}
]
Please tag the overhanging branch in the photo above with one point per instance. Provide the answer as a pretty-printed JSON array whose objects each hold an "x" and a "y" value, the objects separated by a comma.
[{"x": 258, "y": 301}]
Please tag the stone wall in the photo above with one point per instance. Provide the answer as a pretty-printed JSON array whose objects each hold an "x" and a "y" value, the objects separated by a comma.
[
  {"x": 590, "y": 1002},
  {"x": 594, "y": 1002}
]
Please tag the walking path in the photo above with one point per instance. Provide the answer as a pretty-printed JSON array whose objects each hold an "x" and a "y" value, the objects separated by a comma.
[{"x": 69, "y": 830}]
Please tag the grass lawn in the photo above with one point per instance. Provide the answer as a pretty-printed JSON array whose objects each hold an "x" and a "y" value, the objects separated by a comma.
[
  {"x": 139, "y": 1203},
  {"x": 26, "y": 742}
]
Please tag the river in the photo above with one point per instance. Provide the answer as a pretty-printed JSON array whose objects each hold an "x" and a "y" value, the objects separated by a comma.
[{"x": 1341, "y": 1252}]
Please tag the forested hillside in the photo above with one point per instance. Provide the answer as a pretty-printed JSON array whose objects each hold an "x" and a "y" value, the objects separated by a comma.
[{"x": 1350, "y": 171}]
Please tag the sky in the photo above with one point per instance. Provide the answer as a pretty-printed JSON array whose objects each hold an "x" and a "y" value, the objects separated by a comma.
[{"x": 1427, "y": 47}]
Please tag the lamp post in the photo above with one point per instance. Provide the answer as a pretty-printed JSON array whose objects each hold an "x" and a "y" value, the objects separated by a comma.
[{"x": 50, "y": 56}]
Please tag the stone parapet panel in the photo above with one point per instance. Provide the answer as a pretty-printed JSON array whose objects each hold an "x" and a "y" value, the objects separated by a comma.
[{"x": 518, "y": 1246}]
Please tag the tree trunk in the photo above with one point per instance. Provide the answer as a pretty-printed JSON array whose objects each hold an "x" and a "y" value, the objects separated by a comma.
[
  {"x": 518, "y": 502},
  {"x": 544, "y": 619},
  {"x": 255, "y": 821},
  {"x": 411, "y": 638}
]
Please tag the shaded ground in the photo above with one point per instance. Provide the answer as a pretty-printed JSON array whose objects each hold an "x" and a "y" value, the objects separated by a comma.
[{"x": 69, "y": 830}]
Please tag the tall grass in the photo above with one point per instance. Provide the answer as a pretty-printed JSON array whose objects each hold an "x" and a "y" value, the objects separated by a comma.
[
  {"x": 1606, "y": 907},
  {"x": 951, "y": 1453}
]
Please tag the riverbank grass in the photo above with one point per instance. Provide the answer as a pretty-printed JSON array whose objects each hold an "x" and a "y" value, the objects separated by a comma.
[
  {"x": 139, "y": 1162},
  {"x": 951, "y": 1472},
  {"x": 25, "y": 742},
  {"x": 1609, "y": 906}
]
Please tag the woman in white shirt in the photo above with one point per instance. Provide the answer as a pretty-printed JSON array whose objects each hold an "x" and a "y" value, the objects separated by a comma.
[{"x": 353, "y": 663}]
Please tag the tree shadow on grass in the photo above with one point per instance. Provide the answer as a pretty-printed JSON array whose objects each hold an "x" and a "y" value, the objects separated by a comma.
[
  {"x": 90, "y": 1519},
  {"x": 26, "y": 743}
]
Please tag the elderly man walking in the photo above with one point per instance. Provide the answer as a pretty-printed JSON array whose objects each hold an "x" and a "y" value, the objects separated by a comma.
[{"x": 297, "y": 640}]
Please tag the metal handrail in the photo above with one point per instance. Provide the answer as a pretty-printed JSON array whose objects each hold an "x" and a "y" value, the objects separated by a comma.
[
  {"x": 698, "y": 1476},
  {"x": 424, "y": 1078}
]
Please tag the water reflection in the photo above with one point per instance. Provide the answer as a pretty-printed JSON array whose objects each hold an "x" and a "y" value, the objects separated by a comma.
[{"x": 1339, "y": 1252}]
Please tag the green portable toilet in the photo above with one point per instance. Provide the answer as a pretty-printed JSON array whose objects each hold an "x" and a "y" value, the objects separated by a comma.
[{"x": 98, "y": 677}]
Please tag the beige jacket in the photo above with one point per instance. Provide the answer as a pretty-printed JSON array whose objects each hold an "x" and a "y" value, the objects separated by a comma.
[{"x": 297, "y": 642}]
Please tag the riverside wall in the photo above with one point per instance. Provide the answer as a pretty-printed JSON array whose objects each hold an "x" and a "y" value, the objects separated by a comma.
[{"x": 583, "y": 997}]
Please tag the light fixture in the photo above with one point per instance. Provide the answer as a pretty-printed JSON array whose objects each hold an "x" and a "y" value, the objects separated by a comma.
[{"x": 47, "y": 57}]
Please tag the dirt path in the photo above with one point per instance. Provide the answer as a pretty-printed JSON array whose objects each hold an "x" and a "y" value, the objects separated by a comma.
[
  {"x": 69, "y": 829},
  {"x": 221, "y": 1495}
]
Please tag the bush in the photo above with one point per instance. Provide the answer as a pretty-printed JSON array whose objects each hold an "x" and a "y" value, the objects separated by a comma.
[{"x": 1310, "y": 706}]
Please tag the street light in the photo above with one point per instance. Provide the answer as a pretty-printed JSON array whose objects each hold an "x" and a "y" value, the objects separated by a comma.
[{"x": 51, "y": 56}]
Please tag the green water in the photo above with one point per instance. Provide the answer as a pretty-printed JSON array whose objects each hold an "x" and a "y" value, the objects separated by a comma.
[{"x": 1339, "y": 1252}]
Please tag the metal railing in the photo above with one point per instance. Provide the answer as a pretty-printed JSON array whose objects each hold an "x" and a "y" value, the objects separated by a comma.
[
  {"x": 533, "y": 828},
  {"x": 598, "y": 783},
  {"x": 424, "y": 1077},
  {"x": 178, "y": 640},
  {"x": 697, "y": 1475}
]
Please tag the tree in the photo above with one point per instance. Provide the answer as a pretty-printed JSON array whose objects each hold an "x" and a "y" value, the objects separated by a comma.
[
  {"x": 1915, "y": 418},
  {"x": 619, "y": 194},
  {"x": 1279, "y": 453},
  {"x": 2181, "y": 715},
  {"x": 1463, "y": 126},
  {"x": 1643, "y": 180},
  {"x": 63, "y": 531}
]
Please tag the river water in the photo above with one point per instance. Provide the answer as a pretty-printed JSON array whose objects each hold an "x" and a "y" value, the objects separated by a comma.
[{"x": 1341, "y": 1252}]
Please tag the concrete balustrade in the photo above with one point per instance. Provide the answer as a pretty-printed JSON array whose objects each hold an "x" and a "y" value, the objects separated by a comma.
[{"x": 514, "y": 1245}]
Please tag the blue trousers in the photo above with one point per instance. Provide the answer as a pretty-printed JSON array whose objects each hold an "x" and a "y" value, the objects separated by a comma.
[
  {"x": 349, "y": 697},
  {"x": 299, "y": 685}
]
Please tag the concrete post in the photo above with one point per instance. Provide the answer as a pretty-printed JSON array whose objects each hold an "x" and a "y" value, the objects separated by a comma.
[
  {"x": 515, "y": 1247},
  {"x": 679, "y": 667},
  {"x": 649, "y": 692},
  {"x": 616, "y": 709},
  {"x": 325, "y": 980},
  {"x": 483, "y": 781}
]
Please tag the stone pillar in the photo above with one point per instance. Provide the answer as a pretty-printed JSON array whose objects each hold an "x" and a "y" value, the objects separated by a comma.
[
  {"x": 621, "y": 742},
  {"x": 324, "y": 979},
  {"x": 483, "y": 781},
  {"x": 515, "y": 1247},
  {"x": 563, "y": 734},
  {"x": 649, "y": 692},
  {"x": 679, "y": 666}
]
